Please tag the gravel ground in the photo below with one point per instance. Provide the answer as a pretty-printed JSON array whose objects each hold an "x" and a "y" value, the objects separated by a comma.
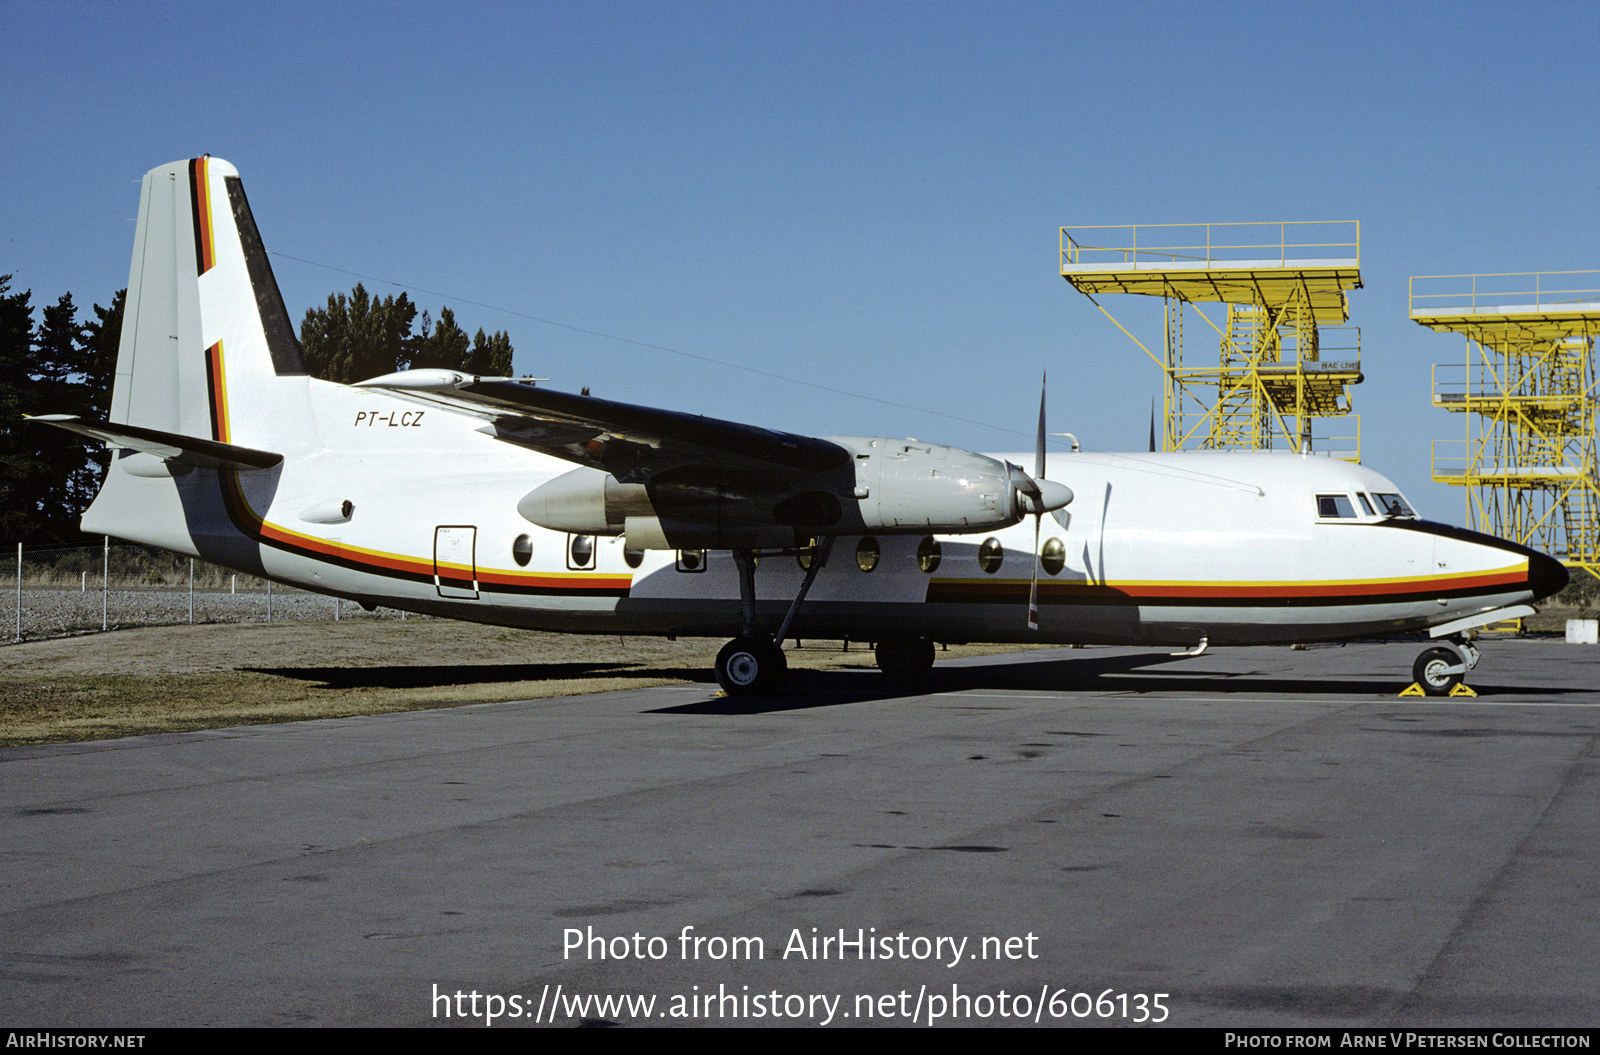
[{"x": 52, "y": 613}]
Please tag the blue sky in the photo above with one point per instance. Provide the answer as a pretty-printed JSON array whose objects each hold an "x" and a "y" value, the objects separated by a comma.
[{"x": 863, "y": 196}]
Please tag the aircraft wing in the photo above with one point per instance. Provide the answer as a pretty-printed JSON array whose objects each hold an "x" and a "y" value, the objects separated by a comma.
[
  {"x": 624, "y": 439},
  {"x": 186, "y": 450}
]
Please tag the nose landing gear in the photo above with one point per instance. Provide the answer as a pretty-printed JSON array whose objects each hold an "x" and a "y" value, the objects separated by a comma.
[{"x": 1442, "y": 671}]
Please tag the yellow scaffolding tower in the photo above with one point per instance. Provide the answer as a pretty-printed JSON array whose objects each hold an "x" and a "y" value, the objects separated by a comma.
[
  {"x": 1284, "y": 353},
  {"x": 1527, "y": 395}
]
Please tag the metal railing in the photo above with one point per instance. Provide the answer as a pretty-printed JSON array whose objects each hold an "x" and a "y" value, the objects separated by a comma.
[
  {"x": 1210, "y": 244},
  {"x": 1345, "y": 447},
  {"x": 1454, "y": 462},
  {"x": 1539, "y": 291}
]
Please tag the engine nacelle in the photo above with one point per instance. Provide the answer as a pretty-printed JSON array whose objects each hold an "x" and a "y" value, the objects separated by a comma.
[
  {"x": 907, "y": 487},
  {"x": 890, "y": 487}
]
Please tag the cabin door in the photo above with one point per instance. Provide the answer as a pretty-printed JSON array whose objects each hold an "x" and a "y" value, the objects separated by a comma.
[{"x": 455, "y": 565}]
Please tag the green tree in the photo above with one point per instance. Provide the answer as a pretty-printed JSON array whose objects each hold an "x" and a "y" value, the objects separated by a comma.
[
  {"x": 59, "y": 366},
  {"x": 19, "y": 463},
  {"x": 97, "y": 368},
  {"x": 490, "y": 356},
  {"x": 101, "y": 337},
  {"x": 357, "y": 337},
  {"x": 443, "y": 345},
  {"x": 68, "y": 474}
]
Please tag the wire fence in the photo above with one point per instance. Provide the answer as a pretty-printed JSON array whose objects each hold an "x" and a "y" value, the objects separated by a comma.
[{"x": 57, "y": 590}]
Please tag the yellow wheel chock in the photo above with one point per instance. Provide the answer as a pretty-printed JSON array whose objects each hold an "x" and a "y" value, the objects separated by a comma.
[{"x": 1461, "y": 689}]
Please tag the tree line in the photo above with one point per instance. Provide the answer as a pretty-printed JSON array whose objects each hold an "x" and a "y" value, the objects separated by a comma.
[
  {"x": 361, "y": 336},
  {"x": 62, "y": 362}
]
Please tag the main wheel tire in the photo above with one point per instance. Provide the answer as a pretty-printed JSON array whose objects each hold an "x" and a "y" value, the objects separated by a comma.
[
  {"x": 904, "y": 657},
  {"x": 749, "y": 666},
  {"x": 1432, "y": 673}
]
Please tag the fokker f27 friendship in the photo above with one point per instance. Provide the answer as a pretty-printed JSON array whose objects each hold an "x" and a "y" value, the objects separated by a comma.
[{"x": 498, "y": 501}]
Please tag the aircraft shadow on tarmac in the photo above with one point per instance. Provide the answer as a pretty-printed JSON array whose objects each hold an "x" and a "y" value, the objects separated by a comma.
[
  {"x": 393, "y": 677},
  {"x": 1122, "y": 675},
  {"x": 805, "y": 689}
]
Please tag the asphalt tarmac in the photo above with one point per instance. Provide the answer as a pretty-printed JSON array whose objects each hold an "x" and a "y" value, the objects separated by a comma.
[{"x": 1263, "y": 837}]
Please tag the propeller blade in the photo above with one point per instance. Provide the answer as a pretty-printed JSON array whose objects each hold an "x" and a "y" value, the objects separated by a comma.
[
  {"x": 1042, "y": 496},
  {"x": 1033, "y": 587},
  {"x": 1038, "y": 447}
]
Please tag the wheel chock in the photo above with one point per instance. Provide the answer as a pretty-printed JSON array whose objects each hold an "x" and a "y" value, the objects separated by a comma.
[{"x": 1461, "y": 689}]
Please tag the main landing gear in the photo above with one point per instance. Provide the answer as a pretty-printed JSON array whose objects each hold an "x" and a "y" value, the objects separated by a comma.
[
  {"x": 753, "y": 663},
  {"x": 1441, "y": 671},
  {"x": 751, "y": 666}
]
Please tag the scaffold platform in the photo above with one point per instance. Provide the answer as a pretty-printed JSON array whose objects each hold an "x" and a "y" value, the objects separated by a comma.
[
  {"x": 1527, "y": 390},
  {"x": 1282, "y": 283}
]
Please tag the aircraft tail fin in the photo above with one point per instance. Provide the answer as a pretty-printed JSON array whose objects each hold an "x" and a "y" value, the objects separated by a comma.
[
  {"x": 209, "y": 375},
  {"x": 208, "y": 349}
]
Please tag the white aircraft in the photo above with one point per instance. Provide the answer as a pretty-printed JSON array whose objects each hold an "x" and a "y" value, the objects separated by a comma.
[{"x": 494, "y": 500}]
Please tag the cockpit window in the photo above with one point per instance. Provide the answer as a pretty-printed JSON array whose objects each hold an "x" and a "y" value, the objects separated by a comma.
[
  {"x": 1335, "y": 506},
  {"x": 1394, "y": 506},
  {"x": 1365, "y": 505}
]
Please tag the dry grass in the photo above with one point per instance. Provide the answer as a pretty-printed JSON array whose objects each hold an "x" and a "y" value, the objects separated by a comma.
[{"x": 174, "y": 679}]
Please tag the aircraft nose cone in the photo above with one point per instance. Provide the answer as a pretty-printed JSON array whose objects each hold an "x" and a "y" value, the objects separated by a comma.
[
  {"x": 1546, "y": 575},
  {"x": 1055, "y": 495}
]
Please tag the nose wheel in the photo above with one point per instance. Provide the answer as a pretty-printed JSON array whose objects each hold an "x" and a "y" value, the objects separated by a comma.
[
  {"x": 1438, "y": 670},
  {"x": 1442, "y": 671}
]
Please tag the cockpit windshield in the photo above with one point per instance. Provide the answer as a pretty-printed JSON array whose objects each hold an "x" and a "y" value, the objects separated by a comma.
[
  {"x": 1335, "y": 506},
  {"x": 1394, "y": 506}
]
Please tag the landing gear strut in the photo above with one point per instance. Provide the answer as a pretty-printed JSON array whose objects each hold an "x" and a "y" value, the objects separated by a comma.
[{"x": 753, "y": 663}]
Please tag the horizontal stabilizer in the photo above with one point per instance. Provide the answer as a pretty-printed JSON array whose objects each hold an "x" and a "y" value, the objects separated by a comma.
[{"x": 186, "y": 450}]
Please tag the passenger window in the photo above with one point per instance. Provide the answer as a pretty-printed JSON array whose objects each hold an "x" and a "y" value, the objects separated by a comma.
[
  {"x": 633, "y": 556},
  {"x": 580, "y": 552},
  {"x": 929, "y": 553},
  {"x": 691, "y": 560},
  {"x": 991, "y": 555},
  {"x": 522, "y": 550},
  {"x": 1330, "y": 506},
  {"x": 867, "y": 553}
]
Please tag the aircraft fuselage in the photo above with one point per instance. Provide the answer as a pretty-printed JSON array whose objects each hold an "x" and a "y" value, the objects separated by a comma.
[{"x": 1158, "y": 548}]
